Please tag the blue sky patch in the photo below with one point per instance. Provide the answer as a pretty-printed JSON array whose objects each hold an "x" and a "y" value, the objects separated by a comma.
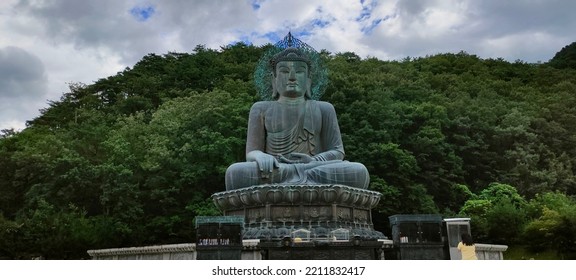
[
  {"x": 320, "y": 23},
  {"x": 366, "y": 12},
  {"x": 142, "y": 13},
  {"x": 373, "y": 24},
  {"x": 256, "y": 4},
  {"x": 300, "y": 34},
  {"x": 273, "y": 37}
]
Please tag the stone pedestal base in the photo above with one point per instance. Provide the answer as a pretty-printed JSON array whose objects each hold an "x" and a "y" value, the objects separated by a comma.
[
  {"x": 347, "y": 250},
  {"x": 303, "y": 212}
]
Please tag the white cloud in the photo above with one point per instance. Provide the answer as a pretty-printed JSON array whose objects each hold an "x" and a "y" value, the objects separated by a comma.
[
  {"x": 22, "y": 82},
  {"x": 514, "y": 47},
  {"x": 83, "y": 41}
]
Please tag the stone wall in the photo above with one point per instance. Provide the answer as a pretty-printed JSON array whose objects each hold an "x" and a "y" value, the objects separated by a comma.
[
  {"x": 250, "y": 251},
  {"x": 185, "y": 251}
]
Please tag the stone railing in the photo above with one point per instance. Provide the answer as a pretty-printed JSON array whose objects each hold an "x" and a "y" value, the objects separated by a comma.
[
  {"x": 490, "y": 251},
  {"x": 185, "y": 251},
  {"x": 250, "y": 251}
]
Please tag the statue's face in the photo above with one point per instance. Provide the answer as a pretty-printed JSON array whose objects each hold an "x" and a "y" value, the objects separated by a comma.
[{"x": 291, "y": 78}]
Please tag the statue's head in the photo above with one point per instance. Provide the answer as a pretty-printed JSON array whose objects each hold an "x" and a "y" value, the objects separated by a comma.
[
  {"x": 290, "y": 54},
  {"x": 291, "y": 66},
  {"x": 290, "y": 50}
]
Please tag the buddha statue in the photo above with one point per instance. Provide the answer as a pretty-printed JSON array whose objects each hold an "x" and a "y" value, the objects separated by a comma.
[{"x": 292, "y": 138}]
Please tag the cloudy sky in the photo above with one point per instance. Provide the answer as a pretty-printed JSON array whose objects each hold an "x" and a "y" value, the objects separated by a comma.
[{"x": 47, "y": 44}]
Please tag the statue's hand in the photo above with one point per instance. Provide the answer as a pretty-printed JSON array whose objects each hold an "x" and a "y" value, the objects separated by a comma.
[
  {"x": 296, "y": 158},
  {"x": 266, "y": 163}
]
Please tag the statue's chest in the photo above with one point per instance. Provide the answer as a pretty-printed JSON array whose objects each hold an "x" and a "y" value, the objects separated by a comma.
[{"x": 279, "y": 118}]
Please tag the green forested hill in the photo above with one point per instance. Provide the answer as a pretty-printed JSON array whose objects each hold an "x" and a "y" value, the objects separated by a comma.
[{"x": 131, "y": 159}]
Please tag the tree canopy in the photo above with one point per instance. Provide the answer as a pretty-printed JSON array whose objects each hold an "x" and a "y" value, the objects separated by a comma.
[{"x": 131, "y": 159}]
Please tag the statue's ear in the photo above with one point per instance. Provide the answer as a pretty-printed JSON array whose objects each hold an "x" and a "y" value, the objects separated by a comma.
[
  {"x": 275, "y": 94},
  {"x": 309, "y": 88}
]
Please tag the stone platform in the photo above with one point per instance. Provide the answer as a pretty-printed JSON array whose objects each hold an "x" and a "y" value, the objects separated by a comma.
[{"x": 305, "y": 212}]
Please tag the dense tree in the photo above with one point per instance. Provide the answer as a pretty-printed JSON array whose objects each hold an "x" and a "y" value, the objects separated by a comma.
[
  {"x": 496, "y": 206},
  {"x": 554, "y": 226},
  {"x": 134, "y": 157},
  {"x": 565, "y": 58}
]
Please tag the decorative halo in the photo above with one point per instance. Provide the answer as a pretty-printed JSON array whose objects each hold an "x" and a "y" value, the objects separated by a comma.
[{"x": 263, "y": 72}]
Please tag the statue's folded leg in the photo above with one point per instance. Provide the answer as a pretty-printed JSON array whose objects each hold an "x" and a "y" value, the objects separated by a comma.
[
  {"x": 351, "y": 174},
  {"x": 241, "y": 175},
  {"x": 245, "y": 174}
]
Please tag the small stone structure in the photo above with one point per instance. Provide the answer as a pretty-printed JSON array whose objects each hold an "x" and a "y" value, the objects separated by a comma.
[
  {"x": 417, "y": 237},
  {"x": 219, "y": 237}
]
